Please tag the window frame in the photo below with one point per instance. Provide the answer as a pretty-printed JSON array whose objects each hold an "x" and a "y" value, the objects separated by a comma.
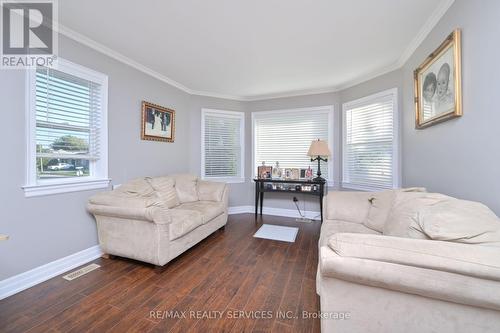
[
  {"x": 233, "y": 114},
  {"x": 328, "y": 109},
  {"x": 98, "y": 169},
  {"x": 396, "y": 144}
]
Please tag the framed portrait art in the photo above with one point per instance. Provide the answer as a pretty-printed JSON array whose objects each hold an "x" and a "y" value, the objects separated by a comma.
[
  {"x": 438, "y": 87},
  {"x": 158, "y": 123}
]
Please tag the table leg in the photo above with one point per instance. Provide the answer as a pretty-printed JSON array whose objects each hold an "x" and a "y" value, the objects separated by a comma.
[
  {"x": 261, "y": 202},
  {"x": 321, "y": 206},
  {"x": 256, "y": 198}
]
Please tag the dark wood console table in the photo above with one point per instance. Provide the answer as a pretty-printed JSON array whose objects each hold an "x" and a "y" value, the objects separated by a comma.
[{"x": 317, "y": 188}]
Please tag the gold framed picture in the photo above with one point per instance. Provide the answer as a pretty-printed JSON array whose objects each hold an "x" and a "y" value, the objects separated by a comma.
[
  {"x": 438, "y": 85},
  {"x": 158, "y": 123}
]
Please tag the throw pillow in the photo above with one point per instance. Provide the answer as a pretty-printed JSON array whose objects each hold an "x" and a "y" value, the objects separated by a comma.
[
  {"x": 403, "y": 218},
  {"x": 165, "y": 188},
  {"x": 380, "y": 207},
  {"x": 185, "y": 186},
  {"x": 210, "y": 191},
  {"x": 461, "y": 221}
]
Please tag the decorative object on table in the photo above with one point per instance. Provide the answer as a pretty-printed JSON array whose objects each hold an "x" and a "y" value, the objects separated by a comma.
[
  {"x": 158, "y": 123},
  {"x": 309, "y": 173},
  {"x": 318, "y": 151},
  {"x": 295, "y": 174},
  {"x": 264, "y": 171},
  {"x": 303, "y": 173},
  {"x": 277, "y": 173},
  {"x": 438, "y": 87},
  {"x": 287, "y": 174},
  {"x": 305, "y": 187}
]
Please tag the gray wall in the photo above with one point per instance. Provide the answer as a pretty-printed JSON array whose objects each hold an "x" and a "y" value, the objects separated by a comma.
[
  {"x": 43, "y": 229},
  {"x": 460, "y": 157}
]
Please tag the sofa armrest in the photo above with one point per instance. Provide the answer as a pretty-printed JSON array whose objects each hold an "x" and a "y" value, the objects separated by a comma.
[
  {"x": 424, "y": 282},
  {"x": 470, "y": 260},
  {"x": 211, "y": 191},
  {"x": 158, "y": 215}
]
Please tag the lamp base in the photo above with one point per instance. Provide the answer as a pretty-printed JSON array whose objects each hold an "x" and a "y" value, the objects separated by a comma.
[{"x": 319, "y": 179}]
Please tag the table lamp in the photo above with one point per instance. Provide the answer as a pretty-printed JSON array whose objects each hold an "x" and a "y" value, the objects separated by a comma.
[{"x": 318, "y": 151}]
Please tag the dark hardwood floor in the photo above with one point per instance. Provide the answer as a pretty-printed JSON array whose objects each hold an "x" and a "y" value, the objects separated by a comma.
[{"x": 244, "y": 284}]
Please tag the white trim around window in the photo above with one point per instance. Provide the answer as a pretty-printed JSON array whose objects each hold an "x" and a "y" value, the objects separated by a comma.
[
  {"x": 327, "y": 110},
  {"x": 239, "y": 177},
  {"x": 98, "y": 169},
  {"x": 390, "y": 97}
]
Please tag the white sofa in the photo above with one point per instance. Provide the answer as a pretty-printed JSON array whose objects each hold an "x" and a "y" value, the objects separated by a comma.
[
  {"x": 408, "y": 261},
  {"x": 156, "y": 219}
]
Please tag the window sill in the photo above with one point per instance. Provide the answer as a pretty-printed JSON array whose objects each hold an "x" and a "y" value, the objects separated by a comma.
[
  {"x": 64, "y": 187},
  {"x": 225, "y": 180}
]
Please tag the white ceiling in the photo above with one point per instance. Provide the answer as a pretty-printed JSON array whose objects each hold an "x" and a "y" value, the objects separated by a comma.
[{"x": 256, "y": 48}]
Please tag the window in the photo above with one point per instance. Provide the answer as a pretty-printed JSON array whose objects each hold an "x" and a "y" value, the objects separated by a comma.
[
  {"x": 370, "y": 145},
  {"x": 222, "y": 145},
  {"x": 67, "y": 132},
  {"x": 284, "y": 136}
]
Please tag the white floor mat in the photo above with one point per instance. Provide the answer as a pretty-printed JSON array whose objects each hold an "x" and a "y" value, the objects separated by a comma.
[{"x": 277, "y": 232}]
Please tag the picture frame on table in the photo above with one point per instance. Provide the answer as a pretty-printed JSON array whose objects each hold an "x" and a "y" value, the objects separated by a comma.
[{"x": 264, "y": 172}]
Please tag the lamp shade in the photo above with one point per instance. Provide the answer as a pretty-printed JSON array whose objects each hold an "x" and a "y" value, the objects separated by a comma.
[{"x": 318, "y": 148}]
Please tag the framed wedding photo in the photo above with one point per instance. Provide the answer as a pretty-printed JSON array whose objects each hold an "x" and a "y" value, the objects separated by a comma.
[
  {"x": 438, "y": 86},
  {"x": 158, "y": 123}
]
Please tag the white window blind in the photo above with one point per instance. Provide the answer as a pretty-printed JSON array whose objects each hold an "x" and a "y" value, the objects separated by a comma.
[
  {"x": 370, "y": 142},
  {"x": 222, "y": 144},
  {"x": 285, "y": 137},
  {"x": 68, "y": 122}
]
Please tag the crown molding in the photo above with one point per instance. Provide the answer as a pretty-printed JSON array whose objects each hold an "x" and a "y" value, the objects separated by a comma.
[
  {"x": 410, "y": 49},
  {"x": 431, "y": 22},
  {"x": 82, "y": 39},
  {"x": 292, "y": 93}
]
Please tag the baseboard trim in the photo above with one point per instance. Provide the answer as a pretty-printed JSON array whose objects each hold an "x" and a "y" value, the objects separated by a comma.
[
  {"x": 273, "y": 211},
  {"x": 20, "y": 282}
]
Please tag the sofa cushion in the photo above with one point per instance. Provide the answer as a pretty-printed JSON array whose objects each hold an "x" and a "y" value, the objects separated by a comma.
[
  {"x": 136, "y": 187},
  {"x": 381, "y": 205},
  {"x": 208, "y": 209},
  {"x": 165, "y": 187},
  {"x": 451, "y": 287},
  {"x": 183, "y": 221},
  {"x": 210, "y": 191},
  {"x": 403, "y": 219},
  {"x": 329, "y": 227},
  {"x": 185, "y": 186},
  {"x": 347, "y": 206},
  {"x": 477, "y": 261},
  {"x": 461, "y": 221}
]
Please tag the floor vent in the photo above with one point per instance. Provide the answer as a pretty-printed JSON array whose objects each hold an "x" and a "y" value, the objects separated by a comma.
[{"x": 82, "y": 271}]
